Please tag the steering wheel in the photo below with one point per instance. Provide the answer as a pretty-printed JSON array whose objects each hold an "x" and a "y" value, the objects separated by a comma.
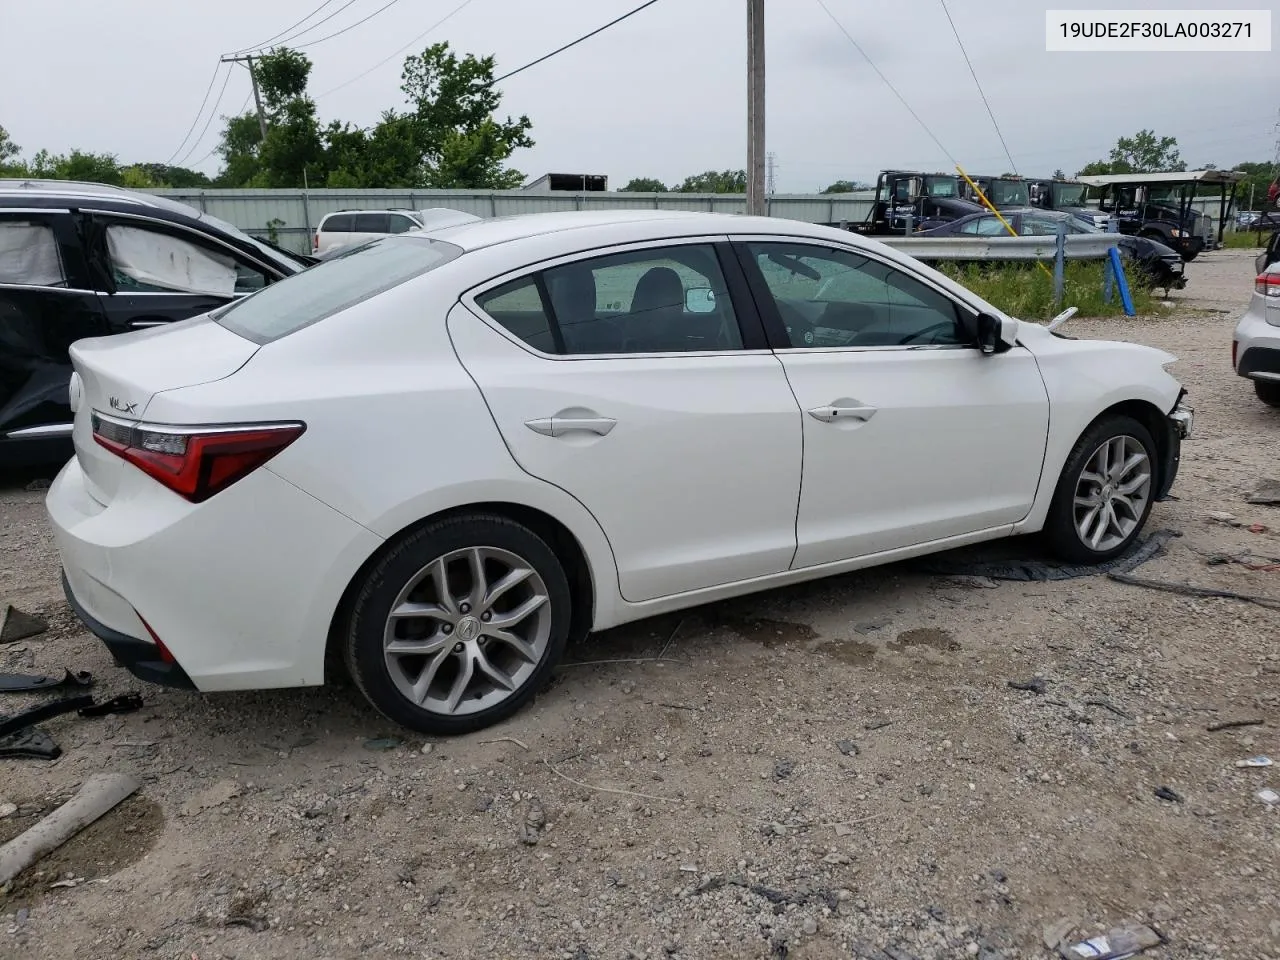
[
  {"x": 944, "y": 325},
  {"x": 800, "y": 331}
]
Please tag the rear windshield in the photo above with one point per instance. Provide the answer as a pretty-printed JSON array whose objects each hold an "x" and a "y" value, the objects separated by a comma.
[{"x": 332, "y": 286}]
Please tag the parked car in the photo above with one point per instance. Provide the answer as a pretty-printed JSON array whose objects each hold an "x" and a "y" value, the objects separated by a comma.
[
  {"x": 1160, "y": 266},
  {"x": 444, "y": 454},
  {"x": 1255, "y": 347},
  {"x": 1270, "y": 253},
  {"x": 85, "y": 260},
  {"x": 350, "y": 228}
]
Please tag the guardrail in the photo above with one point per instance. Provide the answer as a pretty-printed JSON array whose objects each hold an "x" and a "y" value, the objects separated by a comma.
[{"x": 1078, "y": 246}]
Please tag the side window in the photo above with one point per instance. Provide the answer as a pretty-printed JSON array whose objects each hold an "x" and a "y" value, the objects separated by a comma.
[
  {"x": 338, "y": 223},
  {"x": 147, "y": 260},
  {"x": 517, "y": 308},
  {"x": 983, "y": 227},
  {"x": 838, "y": 298},
  {"x": 372, "y": 223},
  {"x": 29, "y": 253},
  {"x": 1040, "y": 227},
  {"x": 402, "y": 224},
  {"x": 670, "y": 300}
]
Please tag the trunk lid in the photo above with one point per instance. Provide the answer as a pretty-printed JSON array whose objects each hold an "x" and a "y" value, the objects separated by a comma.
[{"x": 119, "y": 375}]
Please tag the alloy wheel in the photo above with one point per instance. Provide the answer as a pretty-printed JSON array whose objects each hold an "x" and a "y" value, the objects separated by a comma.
[
  {"x": 467, "y": 631},
  {"x": 1112, "y": 493}
]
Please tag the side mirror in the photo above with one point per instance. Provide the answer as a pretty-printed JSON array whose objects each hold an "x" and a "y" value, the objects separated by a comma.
[
  {"x": 700, "y": 300},
  {"x": 989, "y": 328}
]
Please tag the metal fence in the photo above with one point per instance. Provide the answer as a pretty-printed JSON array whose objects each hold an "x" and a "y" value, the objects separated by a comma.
[{"x": 289, "y": 217}]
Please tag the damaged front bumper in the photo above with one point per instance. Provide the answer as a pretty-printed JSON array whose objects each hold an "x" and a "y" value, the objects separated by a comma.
[{"x": 1179, "y": 424}]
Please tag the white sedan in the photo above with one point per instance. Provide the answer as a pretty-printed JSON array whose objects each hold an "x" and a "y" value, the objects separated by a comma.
[
  {"x": 443, "y": 455},
  {"x": 1255, "y": 347}
]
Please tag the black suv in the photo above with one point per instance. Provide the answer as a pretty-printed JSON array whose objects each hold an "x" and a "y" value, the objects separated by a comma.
[{"x": 86, "y": 260}]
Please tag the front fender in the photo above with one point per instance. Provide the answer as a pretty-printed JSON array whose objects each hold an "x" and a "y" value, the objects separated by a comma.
[{"x": 1084, "y": 379}]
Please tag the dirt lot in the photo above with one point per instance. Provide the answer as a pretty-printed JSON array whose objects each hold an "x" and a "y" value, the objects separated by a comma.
[{"x": 839, "y": 769}]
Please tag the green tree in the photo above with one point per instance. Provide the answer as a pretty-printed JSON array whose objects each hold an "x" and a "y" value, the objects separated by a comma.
[
  {"x": 711, "y": 181},
  {"x": 1258, "y": 176},
  {"x": 643, "y": 185},
  {"x": 1144, "y": 152},
  {"x": 10, "y": 163},
  {"x": 452, "y": 102},
  {"x": 241, "y": 141},
  {"x": 163, "y": 175},
  {"x": 76, "y": 165},
  {"x": 847, "y": 186},
  {"x": 1059, "y": 175}
]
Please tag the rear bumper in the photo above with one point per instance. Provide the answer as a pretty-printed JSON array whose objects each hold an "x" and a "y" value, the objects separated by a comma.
[
  {"x": 137, "y": 656},
  {"x": 241, "y": 589},
  {"x": 1257, "y": 342}
]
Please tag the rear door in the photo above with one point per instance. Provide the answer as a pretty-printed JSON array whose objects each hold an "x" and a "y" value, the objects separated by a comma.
[
  {"x": 636, "y": 383},
  {"x": 155, "y": 272},
  {"x": 46, "y": 303}
]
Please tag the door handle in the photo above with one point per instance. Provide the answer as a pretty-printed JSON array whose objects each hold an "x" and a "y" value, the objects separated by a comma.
[
  {"x": 559, "y": 426},
  {"x": 830, "y": 413},
  {"x": 598, "y": 425}
]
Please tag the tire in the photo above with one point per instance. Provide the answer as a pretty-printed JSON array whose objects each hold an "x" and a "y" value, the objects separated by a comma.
[
  {"x": 441, "y": 638},
  {"x": 1129, "y": 511},
  {"x": 1268, "y": 392}
]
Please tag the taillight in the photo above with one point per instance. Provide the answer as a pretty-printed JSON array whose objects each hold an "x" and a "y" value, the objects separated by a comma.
[
  {"x": 194, "y": 462},
  {"x": 1267, "y": 284},
  {"x": 315, "y": 243}
]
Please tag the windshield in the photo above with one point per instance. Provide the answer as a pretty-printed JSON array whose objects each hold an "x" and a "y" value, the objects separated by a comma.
[
  {"x": 1008, "y": 193},
  {"x": 332, "y": 286},
  {"x": 941, "y": 186},
  {"x": 272, "y": 254},
  {"x": 1071, "y": 196}
]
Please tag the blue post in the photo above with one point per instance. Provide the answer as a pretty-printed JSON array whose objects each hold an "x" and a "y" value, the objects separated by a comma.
[
  {"x": 1059, "y": 263},
  {"x": 1117, "y": 267}
]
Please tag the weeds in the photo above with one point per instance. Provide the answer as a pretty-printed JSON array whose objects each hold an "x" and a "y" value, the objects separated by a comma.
[{"x": 1023, "y": 290}]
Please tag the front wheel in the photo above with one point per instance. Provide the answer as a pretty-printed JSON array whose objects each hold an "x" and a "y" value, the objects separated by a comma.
[
  {"x": 1105, "y": 492},
  {"x": 1268, "y": 392},
  {"x": 459, "y": 624}
]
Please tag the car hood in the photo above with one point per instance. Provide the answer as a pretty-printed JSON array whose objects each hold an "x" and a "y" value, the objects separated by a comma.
[{"x": 1037, "y": 337}]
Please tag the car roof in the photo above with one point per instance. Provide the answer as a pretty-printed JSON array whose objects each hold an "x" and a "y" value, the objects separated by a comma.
[
  {"x": 19, "y": 189},
  {"x": 624, "y": 226}
]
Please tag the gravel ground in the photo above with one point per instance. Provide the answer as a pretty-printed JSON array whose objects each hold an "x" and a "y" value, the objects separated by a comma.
[{"x": 837, "y": 769}]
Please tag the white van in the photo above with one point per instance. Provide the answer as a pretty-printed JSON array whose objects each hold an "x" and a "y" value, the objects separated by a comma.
[{"x": 353, "y": 227}]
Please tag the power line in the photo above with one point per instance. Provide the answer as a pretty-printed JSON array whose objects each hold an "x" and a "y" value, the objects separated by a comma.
[
  {"x": 1012, "y": 166},
  {"x": 209, "y": 90},
  {"x": 871, "y": 63},
  {"x": 212, "y": 113},
  {"x": 218, "y": 146},
  {"x": 338, "y": 33},
  {"x": 361, "y": 76},
  {"x": 276, "y": 36},
  {"x": 572, "y": 43},
  {"x": 290, "y": 39}
]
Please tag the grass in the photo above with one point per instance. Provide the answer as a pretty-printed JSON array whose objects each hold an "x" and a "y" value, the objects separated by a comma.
[
  {"x": 1244, "y": 240},
  {"x": 1023, "y": 290}
]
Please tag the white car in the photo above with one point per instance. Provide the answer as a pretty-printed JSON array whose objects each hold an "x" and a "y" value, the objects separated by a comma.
[
  {"x": 1255, "y": 348},
  {"x": 350, "y": 228},
  {"x": 445, "y": 454}
]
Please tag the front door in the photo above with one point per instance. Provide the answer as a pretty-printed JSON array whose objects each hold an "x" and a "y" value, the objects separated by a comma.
[
  {"x": 635, "y": 383},
  {"x": 911, "y": 435},
  {"x": 154, "y": 272}
]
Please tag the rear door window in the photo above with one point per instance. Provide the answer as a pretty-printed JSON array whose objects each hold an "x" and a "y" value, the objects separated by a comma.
[
  {"x": 338, "y": 223},
  {"x": 29, "y": 253},
  {"x": 402, "y": 224},
  {"x": 373, "y": 223},
  {"x": 332, "y": 286},
  {"x": 147, "y": 259}
]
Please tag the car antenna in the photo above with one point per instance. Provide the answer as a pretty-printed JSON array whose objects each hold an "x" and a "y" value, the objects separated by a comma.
[{"x": 1062, "y": 318}]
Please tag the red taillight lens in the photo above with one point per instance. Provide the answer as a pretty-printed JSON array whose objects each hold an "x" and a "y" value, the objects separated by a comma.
[
  {"x": 195, "y": 462},
  {"x": 315, "y": 243},
  {"x": 1267, "y": 284}
]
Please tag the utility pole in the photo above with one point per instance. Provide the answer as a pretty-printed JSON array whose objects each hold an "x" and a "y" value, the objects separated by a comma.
[
  {"x": 770, "y": 173},
  {"x": 755, "y": 108},
  {"x": 257, "y": 97}
]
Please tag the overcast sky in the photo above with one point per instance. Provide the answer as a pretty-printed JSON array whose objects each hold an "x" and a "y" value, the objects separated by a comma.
[{"x": 662, "y": 94}]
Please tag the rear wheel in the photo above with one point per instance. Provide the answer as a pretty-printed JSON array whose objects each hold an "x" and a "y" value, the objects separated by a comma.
[
  {"x": 1268, "y": 392},
  {"x": 1105, "y": 492},
  {"x": 459, "y": 625}
]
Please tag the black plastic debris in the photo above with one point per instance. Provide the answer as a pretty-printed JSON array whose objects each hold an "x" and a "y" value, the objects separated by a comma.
[
  {"x": 1016, "y": 559},
  {"x": 125, "y": 703},
  {"x": 31, "y": 742},
  {"x": 45, "y": 711},
  {"x": 27, "y": 682},
  {"x": 1165, "y": 793},
  {"x": 1034, "y": 685},
  {"x": 17, "y": 625}
]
